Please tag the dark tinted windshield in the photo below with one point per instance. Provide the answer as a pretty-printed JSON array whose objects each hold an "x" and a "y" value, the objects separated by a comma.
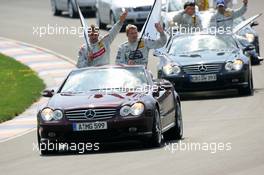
[{"x": 195, "y": 43}]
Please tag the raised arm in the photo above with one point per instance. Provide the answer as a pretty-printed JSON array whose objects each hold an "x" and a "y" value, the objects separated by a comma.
[
  {"x": 116, "y": 28},
  {"x": 155, "y": 44},
  {"x": 241, "y": 11}
]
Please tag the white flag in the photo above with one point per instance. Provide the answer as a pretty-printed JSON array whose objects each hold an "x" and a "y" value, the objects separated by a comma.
[
  {"x": 149, "y": 29},
  {"x": 85, "y": 27}
]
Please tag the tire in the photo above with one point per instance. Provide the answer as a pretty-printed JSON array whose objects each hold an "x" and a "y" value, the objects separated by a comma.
[
  {"x": 98, "y": 20},
  {"x": 72, "y": 12},
  {"x": 249, "y": 90},
  {"x": 54, "y": 9},
  {"x": 157, "y": 138},
  {"x": 255, "y": 60},
  {"x": 257, "y": 46},
  {"x": 112, "y": 19},
  {"x": 176, "y": 132}
]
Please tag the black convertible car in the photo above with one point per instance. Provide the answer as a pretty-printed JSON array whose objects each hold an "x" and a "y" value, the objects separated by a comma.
[
  {"x": 199, "y": 62},
  {"x": 110, "y": 103}
]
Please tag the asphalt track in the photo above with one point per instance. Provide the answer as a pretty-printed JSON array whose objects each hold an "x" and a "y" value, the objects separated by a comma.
[{"x": 208, "y": 118}]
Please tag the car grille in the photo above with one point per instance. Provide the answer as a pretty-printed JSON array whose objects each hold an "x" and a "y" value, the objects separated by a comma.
[
  {"x": 202, "y": 68},
  {"x": 81, "y": 114},
  {"x": 142, "y": 9}
]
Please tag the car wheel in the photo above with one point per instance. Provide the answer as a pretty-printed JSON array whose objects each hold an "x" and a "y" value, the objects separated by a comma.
[
  {"x": 157, "y": 136},
  {"x": 112, "y": 19},
  {"x": 98, "y": 20},
  {"x": 54, "y": 9},
  {"x": 176, "y": 132},
  {"x": 249, "y": 90},
  {"x": 72, "y": 12},
  {"x": 257, "y": 46}
]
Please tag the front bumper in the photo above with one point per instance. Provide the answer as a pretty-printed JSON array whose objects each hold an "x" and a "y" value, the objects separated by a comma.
[
  {"x": 118, "y": 129},
  {"x": 232, "y": 80},
  {"x": 136, "y": 18}
]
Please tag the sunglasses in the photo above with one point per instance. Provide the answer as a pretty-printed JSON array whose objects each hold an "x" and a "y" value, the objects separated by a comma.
[{"x": 93, "y": 34}]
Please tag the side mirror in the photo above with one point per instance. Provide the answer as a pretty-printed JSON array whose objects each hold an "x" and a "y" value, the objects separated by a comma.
[
  {"x": 253, "y": 24},
  {"x": 163, "y": 84},
  {"x": 249, "y": 48},
  {"x": 47, "y": 93},
  {"x": 166, "y": 85}
]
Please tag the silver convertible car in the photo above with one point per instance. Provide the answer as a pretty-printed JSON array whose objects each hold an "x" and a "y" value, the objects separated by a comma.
[
  {"x": 199, "y": 62},
  {"x": 58, "y": 6},
  {"x": 108, "y": 11}
]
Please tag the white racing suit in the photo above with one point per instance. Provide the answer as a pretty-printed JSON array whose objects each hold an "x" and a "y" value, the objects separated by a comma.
[
  {"x": 188, "y": 23},
  {"x": 100, "y": 49},
  {"x": 126, "y": 50},
  {"x": 225, "y": 21}
]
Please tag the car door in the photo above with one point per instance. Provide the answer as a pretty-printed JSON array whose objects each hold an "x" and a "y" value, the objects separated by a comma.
[
  {"x": 63, "y": 4},
  {"x": 105, "y": 15},
  {"x": 243, "y": 24},
  {"x": 58, "y": 4},
  {"x": 167, "y": 103}
]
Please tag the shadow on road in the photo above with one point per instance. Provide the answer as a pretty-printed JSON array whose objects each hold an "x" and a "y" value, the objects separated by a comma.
[
  {"x": 115, "y": 147},
  {"x": 210, "y": 95},
  {"x": 85, "y": 15}
]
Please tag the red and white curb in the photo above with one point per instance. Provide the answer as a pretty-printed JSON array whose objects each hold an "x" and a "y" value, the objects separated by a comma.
[{"x": 50, "y": 66}]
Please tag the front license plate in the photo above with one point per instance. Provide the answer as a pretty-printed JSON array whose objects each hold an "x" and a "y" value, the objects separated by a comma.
[
  {"x": 142, "y": 15},
  {"x": 203, "y": 78},
  {"x": 89, "y": 126}
]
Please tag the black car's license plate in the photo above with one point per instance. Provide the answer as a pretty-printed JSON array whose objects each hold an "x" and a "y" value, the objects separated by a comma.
[
  {"x": 89, "y": 126},
  {"x": 203, "y": 78}
]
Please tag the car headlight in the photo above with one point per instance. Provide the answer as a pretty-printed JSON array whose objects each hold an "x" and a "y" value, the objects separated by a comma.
[
  {"x": 250, "y": 37},
  {"x": 48, "y": 114},
  {"x": 236, "y": 65},
  {"x": 137, "y": 109},
  {"x": 229, "y": 66},
  {"x": 171, "y": 69},
  {"x": 125, "y": 111},
  {"x": 57, "y": 115}
]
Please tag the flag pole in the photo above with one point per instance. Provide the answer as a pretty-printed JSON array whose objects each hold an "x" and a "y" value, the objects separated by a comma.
[
  {"x": 83, "y": 26},
  {"x": 145, "y": 26}
]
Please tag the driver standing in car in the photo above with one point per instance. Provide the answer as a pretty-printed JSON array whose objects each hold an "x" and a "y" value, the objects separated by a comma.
[
  {"x": 99, "y": 49},
  {"x": 188, "y": 20},
  {"x": 223, "y": 18},
  {"x": 135, "y": 52}
]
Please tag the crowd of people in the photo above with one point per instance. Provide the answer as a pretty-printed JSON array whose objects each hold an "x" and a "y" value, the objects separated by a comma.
[{"x": 136, "y": 50}]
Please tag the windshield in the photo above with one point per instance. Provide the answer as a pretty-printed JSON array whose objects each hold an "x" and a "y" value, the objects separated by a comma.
[
  {"x": 175, "y": 5},
  {"x": 101, "y": 79},
  {"x": 198, "y": 43}
]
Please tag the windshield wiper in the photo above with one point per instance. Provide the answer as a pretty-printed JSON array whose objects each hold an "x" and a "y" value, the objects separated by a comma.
[
  {"x": 191, "y": 55},
  {"x": 72, "y": 92}
]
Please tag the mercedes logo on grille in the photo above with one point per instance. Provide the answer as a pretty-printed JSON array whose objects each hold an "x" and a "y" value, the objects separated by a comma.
[
  {"x": 90, "y": 114},
  {"x": 202, "y": 68}
]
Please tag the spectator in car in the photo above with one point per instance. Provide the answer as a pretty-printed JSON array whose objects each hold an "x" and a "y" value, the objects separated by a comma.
[
  {"x": 128, "y": 53},
  {"x": 98, "y": 52},
  {"x": 187, "y": 20},
  {"x": 224, "y": 17}
]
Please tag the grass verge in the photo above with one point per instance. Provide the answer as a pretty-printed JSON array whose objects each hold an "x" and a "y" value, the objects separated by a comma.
[{"x": 19, "y": 87}]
